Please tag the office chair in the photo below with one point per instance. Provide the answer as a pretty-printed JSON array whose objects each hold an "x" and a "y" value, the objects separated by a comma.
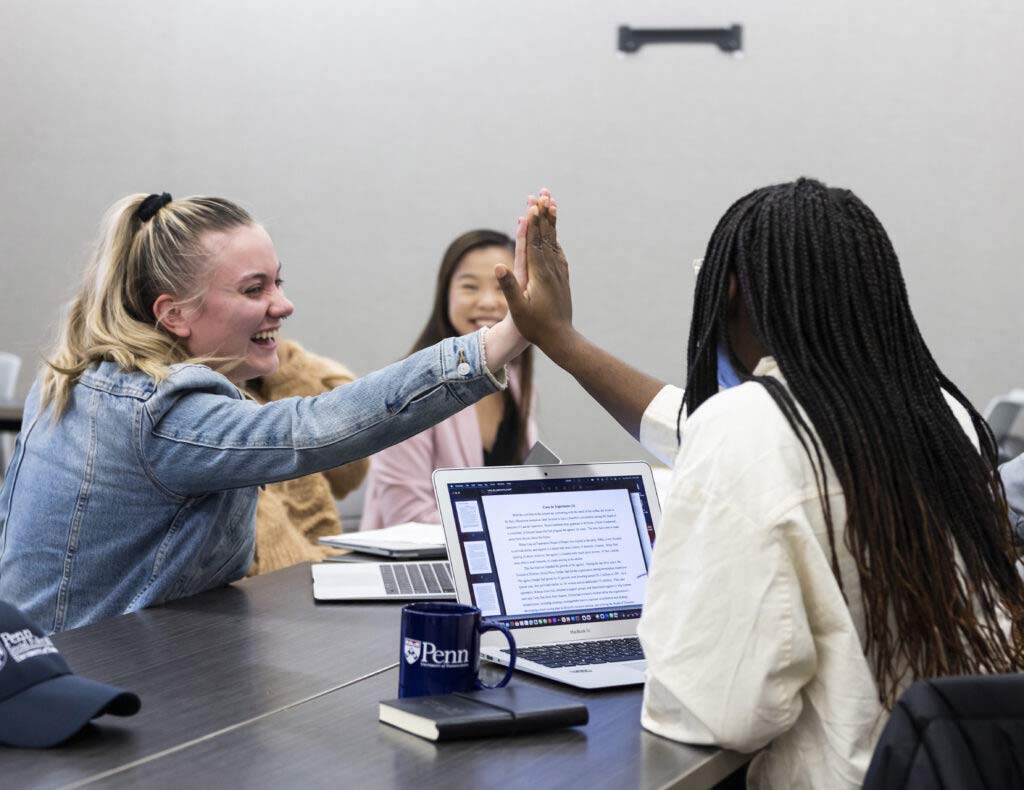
[
  {"x": 1001, "y": 413},
  {"x": 10, "y": 364}
]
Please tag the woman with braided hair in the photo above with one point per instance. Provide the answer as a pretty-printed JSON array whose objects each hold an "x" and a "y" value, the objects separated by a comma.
[{"x": 836, "y": 526}]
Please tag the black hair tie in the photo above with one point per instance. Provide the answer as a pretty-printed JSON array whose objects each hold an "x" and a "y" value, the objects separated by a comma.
[{"x": 151, "y": 205}]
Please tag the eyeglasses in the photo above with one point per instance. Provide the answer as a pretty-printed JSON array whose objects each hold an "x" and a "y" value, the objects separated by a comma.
[{"x": 697, "y": 263}]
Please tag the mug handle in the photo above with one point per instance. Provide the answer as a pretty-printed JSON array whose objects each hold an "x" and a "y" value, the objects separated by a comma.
[{"x": 490, "y": 625}]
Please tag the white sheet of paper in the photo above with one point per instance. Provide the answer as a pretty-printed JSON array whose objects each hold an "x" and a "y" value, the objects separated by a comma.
[{"x": 411, "y": 533}]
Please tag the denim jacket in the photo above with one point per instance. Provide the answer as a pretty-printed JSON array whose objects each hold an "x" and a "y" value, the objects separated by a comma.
[{"x": 145, "y": 492}]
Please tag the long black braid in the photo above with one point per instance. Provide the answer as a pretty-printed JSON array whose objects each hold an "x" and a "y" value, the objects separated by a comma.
[{"x": 820, "y": 279}]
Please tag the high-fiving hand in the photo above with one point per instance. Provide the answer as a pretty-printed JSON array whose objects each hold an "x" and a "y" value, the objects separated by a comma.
[
  {"x": 540, "y": 304},
  {"x": 538, "y": 293}
]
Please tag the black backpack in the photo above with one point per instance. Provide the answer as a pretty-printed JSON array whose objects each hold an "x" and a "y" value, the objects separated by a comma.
[{"x": 960, "y": 733}]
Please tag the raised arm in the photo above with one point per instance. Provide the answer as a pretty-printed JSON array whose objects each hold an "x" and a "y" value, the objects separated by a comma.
[
  {"x": 543, "y": 314},
  {"x": 198, "y": 436}
]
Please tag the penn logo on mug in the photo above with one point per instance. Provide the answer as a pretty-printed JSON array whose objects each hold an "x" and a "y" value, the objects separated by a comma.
[
  {"x": 413, "y": 650},
  {"x": 441, "y": 649}
]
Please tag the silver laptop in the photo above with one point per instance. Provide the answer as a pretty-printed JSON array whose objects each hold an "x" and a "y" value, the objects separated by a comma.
[
  {"x": 560, "y": 555},
  {"x": 383, "y": 581}
]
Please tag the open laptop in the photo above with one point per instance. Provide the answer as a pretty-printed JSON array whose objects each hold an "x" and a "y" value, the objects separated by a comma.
[
  {"x": 383, "y": 581},
  {"x": 560, "y": 555},
  {"x": 396, "y": 581}
]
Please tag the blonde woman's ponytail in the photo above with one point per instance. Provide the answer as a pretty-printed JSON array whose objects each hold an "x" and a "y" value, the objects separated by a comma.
[{"x": 148, "y": 245}]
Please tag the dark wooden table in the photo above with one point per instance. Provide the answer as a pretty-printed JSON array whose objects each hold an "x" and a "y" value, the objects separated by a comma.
[{"x": 256, "y": 685}]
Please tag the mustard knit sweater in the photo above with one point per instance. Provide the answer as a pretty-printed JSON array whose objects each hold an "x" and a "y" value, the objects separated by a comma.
[{"x": 292, "y": 514}]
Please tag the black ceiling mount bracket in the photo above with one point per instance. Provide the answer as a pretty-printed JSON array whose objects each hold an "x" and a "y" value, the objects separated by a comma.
[{"x": 727, "y": 39}]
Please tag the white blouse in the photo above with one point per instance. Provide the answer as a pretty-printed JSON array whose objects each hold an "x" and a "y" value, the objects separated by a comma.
[{"x": 748, "y": 640}]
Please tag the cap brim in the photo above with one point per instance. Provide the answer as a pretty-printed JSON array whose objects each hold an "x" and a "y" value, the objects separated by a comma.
[{"x": 52, "y": 711}]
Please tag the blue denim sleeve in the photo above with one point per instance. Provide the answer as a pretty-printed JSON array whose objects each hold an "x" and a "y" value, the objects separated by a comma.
[
  {"x": 199, "y": 435},
  {"x": 1013, "y": 479}
]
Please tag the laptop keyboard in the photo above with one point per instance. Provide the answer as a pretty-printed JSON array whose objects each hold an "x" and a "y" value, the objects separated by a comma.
[
  {"x": 574, "y": 654},
  {"x": 417, "y": 578}
]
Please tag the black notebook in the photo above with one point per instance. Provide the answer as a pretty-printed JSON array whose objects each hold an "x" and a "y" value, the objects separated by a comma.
[{"x": 474, "y": 714}]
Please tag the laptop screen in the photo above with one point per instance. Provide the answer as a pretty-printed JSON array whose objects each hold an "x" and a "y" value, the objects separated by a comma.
[{"x": 551, "y": 552}]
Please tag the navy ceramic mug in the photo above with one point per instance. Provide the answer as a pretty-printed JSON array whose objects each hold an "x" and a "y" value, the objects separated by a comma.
[{"x": 441, "y": 649}]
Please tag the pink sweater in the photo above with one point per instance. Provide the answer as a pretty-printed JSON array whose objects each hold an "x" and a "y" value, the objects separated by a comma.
[{"x": 399, "y": 487}]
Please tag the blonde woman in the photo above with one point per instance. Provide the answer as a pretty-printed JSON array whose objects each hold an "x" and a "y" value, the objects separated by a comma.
[{"x": 134, "y": 478}]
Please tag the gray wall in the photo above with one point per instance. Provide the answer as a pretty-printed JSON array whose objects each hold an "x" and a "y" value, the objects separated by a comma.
[{"x": 366, "y": 135}]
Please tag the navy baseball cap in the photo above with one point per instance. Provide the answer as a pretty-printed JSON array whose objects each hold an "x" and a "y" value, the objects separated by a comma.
[{"x": 41, "y": 702}]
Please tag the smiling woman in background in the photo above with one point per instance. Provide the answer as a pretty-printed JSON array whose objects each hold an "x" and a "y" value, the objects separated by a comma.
[
  {"x": 498, "y": 431},
  {"x": 134, "y": 478}
]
